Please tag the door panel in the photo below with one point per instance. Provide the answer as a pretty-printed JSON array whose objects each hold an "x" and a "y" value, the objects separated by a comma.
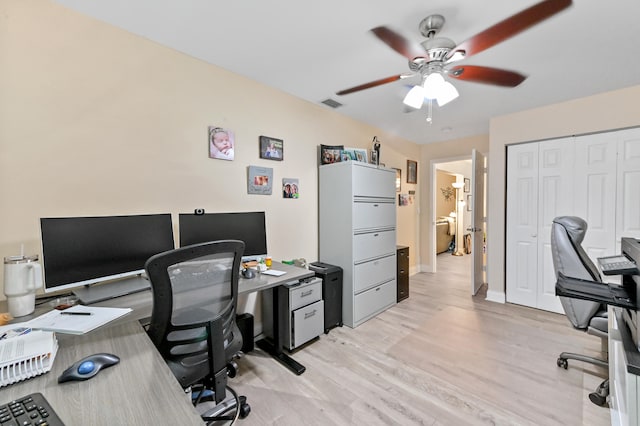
[
  {"x": 628, "y": 219},
  {"x": 477, "y": 221}
]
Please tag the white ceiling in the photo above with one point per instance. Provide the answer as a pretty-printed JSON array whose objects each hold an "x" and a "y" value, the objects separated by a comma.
[{"x": 313, "y": 49}]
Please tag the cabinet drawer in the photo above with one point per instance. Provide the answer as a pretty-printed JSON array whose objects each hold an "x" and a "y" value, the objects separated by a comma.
[
  {"x": 373, "y": 182},
  {"x": 374, "y": 215},
  {"x": 373, "y": 244},
  {"x": 373, "y": 301},
  {"x": 377, "y": 271},
  {"x": 307, "y": 323},
  {"x": 305, "y": 295}
]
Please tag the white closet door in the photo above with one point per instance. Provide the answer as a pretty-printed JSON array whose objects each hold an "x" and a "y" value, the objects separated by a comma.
[
  {"x": 555, "y": 185},
  {"x": 628, "y": 206},
  {"x": 595, "y": 192},
  {"x": 522, "y": 220}
]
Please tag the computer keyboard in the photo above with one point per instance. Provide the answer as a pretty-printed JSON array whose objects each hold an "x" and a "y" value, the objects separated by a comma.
[{"x": 31, "y": 409}]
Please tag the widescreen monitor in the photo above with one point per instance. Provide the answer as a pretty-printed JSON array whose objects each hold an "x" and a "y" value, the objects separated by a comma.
[
  {"x": 79, "y": 251},
  {"x": 244, "y": 226}
]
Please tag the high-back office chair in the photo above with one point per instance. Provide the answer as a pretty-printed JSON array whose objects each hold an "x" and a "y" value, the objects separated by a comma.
[
  {"x": 570, "y": 259},
  {"x": 195, "y": 292}
]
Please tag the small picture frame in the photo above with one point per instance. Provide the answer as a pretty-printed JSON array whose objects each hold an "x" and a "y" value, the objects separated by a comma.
[
  {"x": 290, "y": 188},
  {"x": 467, "y": 184},
  {"x": 271, "y": 148},
  {"x": 361, "y": 155},
  {"x": 221, "y": 143},
  {"x": 398, "y": 179},
  {"x": 330, "y": 154},
  {"x": 259, "y": 180},
  {"x": 412, "y": 171}
]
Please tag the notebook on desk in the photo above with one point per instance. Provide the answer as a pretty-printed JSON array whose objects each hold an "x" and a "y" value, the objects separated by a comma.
[
  {"x": 26, "y": 355},
  {"x": 78, "y": 319}
]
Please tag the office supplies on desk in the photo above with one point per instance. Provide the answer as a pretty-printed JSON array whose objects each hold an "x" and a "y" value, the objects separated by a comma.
[
  {"x": 75, "y": 319},
  {"x": 26, "y": 356},
  {"x": 617, "y": 265},
  {"x": 29, "y": 409},
  {"x": 88, "y": 367},
  {"x": 274, "y": 272}
]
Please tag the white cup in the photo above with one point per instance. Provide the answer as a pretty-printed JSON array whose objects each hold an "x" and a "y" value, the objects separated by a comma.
[{"x": 22, "y": 277}]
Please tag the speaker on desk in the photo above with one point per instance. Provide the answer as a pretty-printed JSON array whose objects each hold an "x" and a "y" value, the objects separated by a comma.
[
  {"x": 245, "y": 324},
  {"x": 331, "y": 293}
]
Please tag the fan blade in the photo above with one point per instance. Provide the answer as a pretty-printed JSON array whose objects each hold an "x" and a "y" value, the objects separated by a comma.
[
  {"x": 510, "y": 27},
  {"x": 406, "y": 48},
  {"x": 370, "y": 85},
  {"x": 486, "y": 75}
]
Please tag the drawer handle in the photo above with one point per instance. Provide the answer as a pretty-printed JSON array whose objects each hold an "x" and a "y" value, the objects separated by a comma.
[
  {"x": 306, "y": 293},
  {"x": 375, "y": 235},
  {"x": 375, "y": 205},
  {"x": 378, "y": 289},
  {"x": 309, "y": 314}
]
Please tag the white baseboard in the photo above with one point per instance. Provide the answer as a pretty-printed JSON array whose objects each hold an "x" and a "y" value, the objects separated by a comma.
[
  {"x": 425, "y": 268},
  {"x": 496, "y": 296}
]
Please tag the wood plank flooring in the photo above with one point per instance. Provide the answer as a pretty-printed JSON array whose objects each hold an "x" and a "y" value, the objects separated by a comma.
[{"x": 440, "y": 357}]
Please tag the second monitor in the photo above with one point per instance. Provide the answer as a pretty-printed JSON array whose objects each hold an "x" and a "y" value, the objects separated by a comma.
[{"x": 244, "y": 226}]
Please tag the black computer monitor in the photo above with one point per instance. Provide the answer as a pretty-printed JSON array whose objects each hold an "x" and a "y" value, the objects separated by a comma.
[
  {"x": 78, "y": 251},
  {"x": 244, "y": 226}
]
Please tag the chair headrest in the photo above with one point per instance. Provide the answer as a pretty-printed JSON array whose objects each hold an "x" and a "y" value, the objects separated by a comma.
[{"x": 576, "y": 227}]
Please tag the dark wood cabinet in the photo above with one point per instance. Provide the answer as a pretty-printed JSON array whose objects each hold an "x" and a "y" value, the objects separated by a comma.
[{"x": 402, "y": 273}]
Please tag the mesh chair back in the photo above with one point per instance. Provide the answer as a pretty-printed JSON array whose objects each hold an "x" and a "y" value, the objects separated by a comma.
[{"x": 193, "y": 286}]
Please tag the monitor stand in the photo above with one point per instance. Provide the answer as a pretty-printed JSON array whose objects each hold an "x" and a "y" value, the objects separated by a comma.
[{"x": 98, "y": 293}]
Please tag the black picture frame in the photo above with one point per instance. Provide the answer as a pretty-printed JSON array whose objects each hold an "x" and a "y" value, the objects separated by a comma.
[
  {"x": 412, "y": 171},
  {"x": 467, "y": 184},
  {"x": 271, "y": 148}
]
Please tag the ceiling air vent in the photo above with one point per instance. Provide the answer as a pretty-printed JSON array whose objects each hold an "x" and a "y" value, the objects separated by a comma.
[{"x": 331, "y": 103}]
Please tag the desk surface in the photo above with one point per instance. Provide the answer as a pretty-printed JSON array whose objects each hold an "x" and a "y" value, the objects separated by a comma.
[{"x": 140, "y": 389}]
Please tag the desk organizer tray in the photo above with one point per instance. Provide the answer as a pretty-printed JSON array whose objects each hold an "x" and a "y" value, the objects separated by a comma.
[{"x": 610, "y": 294}]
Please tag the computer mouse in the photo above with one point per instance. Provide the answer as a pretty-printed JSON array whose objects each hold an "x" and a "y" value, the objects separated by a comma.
[
  {"x": 248, "y": 273},
  {"x": 88, "y": 367}
]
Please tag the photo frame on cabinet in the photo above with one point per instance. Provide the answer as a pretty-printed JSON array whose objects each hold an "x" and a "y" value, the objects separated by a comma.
[
  {"x": 412, "y": 171},
  {"x": 398, "y": 179},
  {"x": 467, "y": 184},
  {"x": 330, "y": 154}
]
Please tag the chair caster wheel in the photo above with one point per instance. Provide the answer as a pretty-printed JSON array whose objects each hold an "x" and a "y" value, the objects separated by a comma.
[
  {"x": 232, "y": 369},
  {"x": 562, "y": 363},
  {"x": 245, "y": 409},
  {"x": 598, "y": 399}
]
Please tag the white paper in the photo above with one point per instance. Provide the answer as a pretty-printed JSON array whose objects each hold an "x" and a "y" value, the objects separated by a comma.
[
  {"x": 274, "y": 272},
  {"x": 76, "y": 324}
]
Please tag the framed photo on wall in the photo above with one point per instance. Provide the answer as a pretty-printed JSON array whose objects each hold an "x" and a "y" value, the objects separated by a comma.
[
  {"x": 271, "y": 148},
  {"x": 398, "y": 179},
  {"x": 412, "y": 171}
]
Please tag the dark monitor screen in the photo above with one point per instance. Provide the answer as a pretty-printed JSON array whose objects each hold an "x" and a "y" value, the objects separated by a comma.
[
  {"x": 245, "y": 226},
  {"x": 85, "y": 250}
]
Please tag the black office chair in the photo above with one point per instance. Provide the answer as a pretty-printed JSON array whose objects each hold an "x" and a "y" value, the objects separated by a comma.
[
  {"x": 570, "y": 260},
  {"x": 195, "y": 292}
]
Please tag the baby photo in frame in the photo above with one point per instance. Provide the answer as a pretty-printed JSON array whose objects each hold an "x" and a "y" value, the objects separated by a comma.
[
  {"x": 221, "y": 143},
  {"x": 271, "y": 148}
]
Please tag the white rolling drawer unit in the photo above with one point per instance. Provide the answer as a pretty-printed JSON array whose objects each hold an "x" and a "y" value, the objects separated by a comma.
[{"x": 358, "y": 233}]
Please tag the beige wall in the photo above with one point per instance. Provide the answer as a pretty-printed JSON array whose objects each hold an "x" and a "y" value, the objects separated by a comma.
[
  {"x": 430, "y": 154},
  {"x": 97, "y": 121},
  {"x": 607, "y": 111}
]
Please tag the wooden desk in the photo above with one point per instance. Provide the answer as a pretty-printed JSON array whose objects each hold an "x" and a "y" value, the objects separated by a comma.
[{"x": 139, "y": 390}]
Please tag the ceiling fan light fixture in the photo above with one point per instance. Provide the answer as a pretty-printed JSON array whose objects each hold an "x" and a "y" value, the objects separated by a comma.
[
  {"x": 415, "y": 97},
  {"x": 446, "y": 93}
]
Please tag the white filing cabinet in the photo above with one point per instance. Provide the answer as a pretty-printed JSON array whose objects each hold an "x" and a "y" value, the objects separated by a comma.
[
  {"x": 358, "y": 233},
  {"x": 304, "y": 309}
]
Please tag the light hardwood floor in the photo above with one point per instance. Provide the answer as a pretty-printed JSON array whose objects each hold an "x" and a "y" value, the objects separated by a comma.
[{"x": 440, "y": 357}]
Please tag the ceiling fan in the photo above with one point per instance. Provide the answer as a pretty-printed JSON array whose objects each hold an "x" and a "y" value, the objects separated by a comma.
[{"x": 432, "y": 58}]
